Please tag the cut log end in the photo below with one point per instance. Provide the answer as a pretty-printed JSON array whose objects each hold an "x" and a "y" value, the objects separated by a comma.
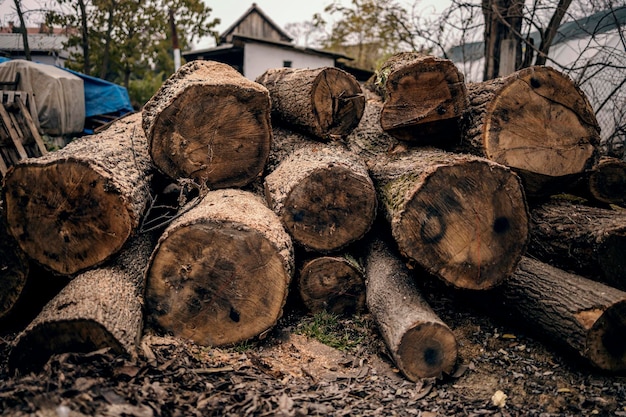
[
  {"x": 332, "y": 284},
  {"x": 330, "y": 208},
  {"x": 337, "y": 101},
  {"x": 34, "y": 349},
  {"x": 462, "y": 230},
  {"x": 427, "y": 350},
  {"x": 220, "y": 293},
  {"x": 605, "y": 340},
  {"x": 66, "y": 216},
  {"x": 224, "y": 142},
  {"x": 607, "y": 182},
  {"x": 541, "y": 123}
]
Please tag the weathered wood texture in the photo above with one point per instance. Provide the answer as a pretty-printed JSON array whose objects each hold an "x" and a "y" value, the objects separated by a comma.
[
  {"x": 332, "y": 283},
  {"x": 536, "y": 121},
  {"x": 587, "y": 316},
  {"x": 209, "y": 123},
  {"x": 14, "y": 268},
  {"x": 100, "y": 308},
  {"x": 589, "y": 241},
  {"x": 322, "y": 193},
  {"x": 460, "y": 217},
  {"x": 220, "y": 272},
  {"x": 421, "y": 344},
  {"x": 424, "y": 98},
  {"x": 604, "y": 183},
  {"x": 72, "y": 209},
  {"x": 324, "y": 102}
]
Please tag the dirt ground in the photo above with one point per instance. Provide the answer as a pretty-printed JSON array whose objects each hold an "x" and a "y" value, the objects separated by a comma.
[{"x": 501, "y": 371}]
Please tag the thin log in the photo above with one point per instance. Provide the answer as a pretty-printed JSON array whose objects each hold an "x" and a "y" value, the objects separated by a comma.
[
  {"x": 589, "y": 241},
  {"x": 421, "y": 344},
  {"x": 100, "y": 308},
  {"x": 220, "y": 273},
  {"x": 536, "y": 121},
  {"x": 324, "y": 102},
  {"x": 209, "y": 123},
  {"x": 605, "y": 183},
  {"x": 584, "y": 315},
  {"x": 74, "y": 208}
]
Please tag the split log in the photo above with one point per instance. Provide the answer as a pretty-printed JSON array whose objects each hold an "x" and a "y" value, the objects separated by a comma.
[
  {"x": 220, "y": 272},
  {"x": 604, "y": 183},
  {"x": 322, "y": 193},
  {"x": 72, "y": 209},
  {"x": 421, "y": 344},
  {"x": 14, "y": 268},
  {"x": 332, "y": 283},
  {"x": 100, "y": 308},
  {"x": 587, "y": 316},
  {"x": 536, "y": 121},
  {"x": 424, "y": 98},
  {"x": 324, "y": 102},
  {"x": 589, "y": 241},
  {"x": 209, "y": 123}
]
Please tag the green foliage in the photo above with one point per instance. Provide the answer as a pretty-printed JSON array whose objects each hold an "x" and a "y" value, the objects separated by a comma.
[
  {"x": 142, "y": 89},
  {"x": 334, "y": 331}
]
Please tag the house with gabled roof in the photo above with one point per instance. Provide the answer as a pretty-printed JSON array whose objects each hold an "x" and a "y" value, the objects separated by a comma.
[{"x": 254, "y": 43}]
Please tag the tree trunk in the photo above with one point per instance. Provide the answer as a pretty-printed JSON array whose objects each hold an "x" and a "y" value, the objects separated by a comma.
[
  {"x": 14, "y": 268},
  {"x": 589, "y": 241},
  {"x": 585, "y": 315},
  {"x": 424, "y": 99},
  {"x": 209, "y": 123},
  {"x": 72, "y": 209},
  {"x": 322, "y": 193},
  {"x": 324, "y": 102},
  {"x": 536, "y": 121},
  {"x": 220, "y": 272},
  {"x": 503, "y": 41},
  {"x": 332, "y": 283},
  {"x": 421, "y": 345},
  {"x": 100, "y": 308}
]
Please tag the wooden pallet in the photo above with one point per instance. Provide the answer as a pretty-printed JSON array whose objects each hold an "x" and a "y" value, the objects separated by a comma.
[{"x": 19, "y": 135}]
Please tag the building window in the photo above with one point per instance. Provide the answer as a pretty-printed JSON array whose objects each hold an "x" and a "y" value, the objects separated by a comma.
[{"x": 287, "y": 64}]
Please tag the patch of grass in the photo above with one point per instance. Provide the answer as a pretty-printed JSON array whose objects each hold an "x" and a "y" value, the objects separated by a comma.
[{"x": 333, "y": 330}]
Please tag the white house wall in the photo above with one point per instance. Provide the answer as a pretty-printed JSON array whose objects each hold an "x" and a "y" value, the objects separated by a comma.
[{"x": 258, "y": 58}]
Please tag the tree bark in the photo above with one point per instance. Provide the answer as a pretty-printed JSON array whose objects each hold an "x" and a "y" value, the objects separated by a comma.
[
  {"x": 589, "y": 241},
  {"x": 421, "y": 344},
  {"x": 220, "y": 273},
  {"x": 72, "y": 209},
  {"x": 424, "y": 99},
  {"x": 332, "y": 283},
  {"x": 322, "y": 193},
  {"x": 209, "y": 123},
  {"x": 14, "y": 268},
  {"x": 100, "y": 308},
  {"x": 536, "y": 121},
  {"x": 587, "y": 316},
  {"x": 324, "y": 102}
]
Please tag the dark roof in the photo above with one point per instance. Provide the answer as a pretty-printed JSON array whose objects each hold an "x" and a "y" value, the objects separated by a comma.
[
  {"x": 597, "y": 23},
  {"x": 254, "y": 9}
]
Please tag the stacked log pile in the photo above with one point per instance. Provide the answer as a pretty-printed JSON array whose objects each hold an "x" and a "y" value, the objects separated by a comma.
[{"x": 359, "y": 192}]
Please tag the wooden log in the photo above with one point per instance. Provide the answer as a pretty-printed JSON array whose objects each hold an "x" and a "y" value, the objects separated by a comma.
[
  {"x": 536, "y": 121},
  {"x": 605, "y": 183},
  {"x": 584, "y": 315},
  {"x": 72, "y": 209},
  {"x": 589, "y": 241},
  {"x": 220, "y": 273},
  {"x": 424, "y": 98},
  {"x": 100, "y": 308},
  {"x": 322, "y": 193},
  {"x": 335, "y": 284},
  {"x": 421, "y": 344},
  {"x": 209, "y": 123},
  {"x": 324, "y": 102},
  {"x": 14, "y": 269}
]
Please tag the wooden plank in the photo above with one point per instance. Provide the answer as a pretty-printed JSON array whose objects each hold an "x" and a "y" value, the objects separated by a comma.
[
  {"x": 6, "y": 119},
  {"x": 3, "y": 167},
  {"x": 31, "y": 126}
]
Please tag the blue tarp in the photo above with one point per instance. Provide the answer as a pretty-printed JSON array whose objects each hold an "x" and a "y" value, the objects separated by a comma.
[{"x": 103, "y": 97}]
